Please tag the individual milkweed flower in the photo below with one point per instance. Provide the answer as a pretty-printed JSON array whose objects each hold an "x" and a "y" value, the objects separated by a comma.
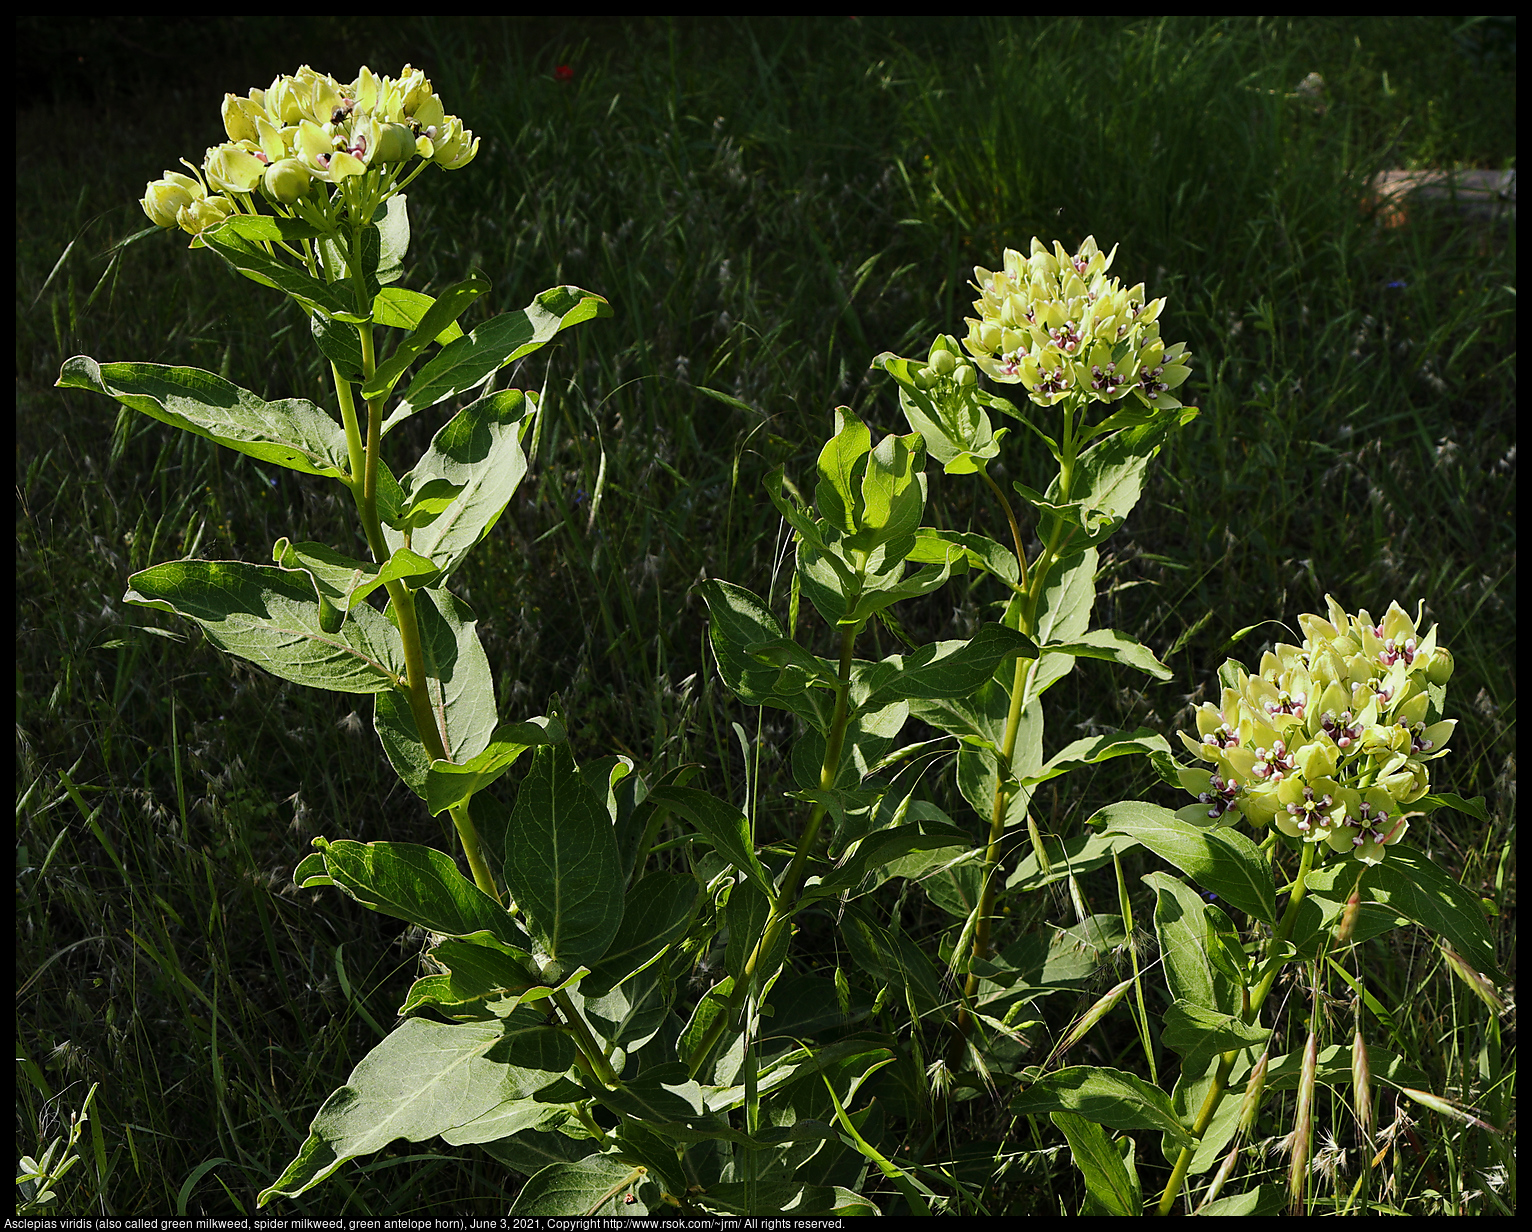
[
  {"x": 164, "y": 198},
  {"x": 234, "y": 168},
  {"x": 456, "y": 147},
  {"x": 241, "y": 116},
  {"x": 286, "y": 181},
  {"x": 200, "y": 215}
]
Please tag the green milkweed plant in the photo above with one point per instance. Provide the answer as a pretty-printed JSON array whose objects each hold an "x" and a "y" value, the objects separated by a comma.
[{"x": 614, "y": 1005}]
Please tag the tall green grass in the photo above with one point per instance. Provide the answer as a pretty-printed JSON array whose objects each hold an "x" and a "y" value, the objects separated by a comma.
[{"x": 767, "y": 204}]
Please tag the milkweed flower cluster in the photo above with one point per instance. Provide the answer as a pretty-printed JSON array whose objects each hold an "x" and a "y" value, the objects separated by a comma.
[
  {"x": 1331, "y": 740},
  {"x": 307, "y": 130},
  {"x": 1057, "y": 325}
]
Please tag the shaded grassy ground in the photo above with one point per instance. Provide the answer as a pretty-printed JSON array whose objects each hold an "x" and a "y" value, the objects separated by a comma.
[{"x": 767, "y": 205}]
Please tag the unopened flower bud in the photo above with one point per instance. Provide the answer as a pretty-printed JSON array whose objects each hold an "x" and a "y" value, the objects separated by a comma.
[
  {"x": 966, "y": 375},
  {"x": 164, "y": 199},
  {"x": 944, "y": 361},
  {"x": 239, "y": 118},
  {"x": 396, "y": 144},
  {"x": 286, "y": 181},
  {"x": 1440, "y": 670}
]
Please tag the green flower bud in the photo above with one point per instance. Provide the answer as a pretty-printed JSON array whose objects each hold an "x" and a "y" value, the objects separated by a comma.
[
  {"x": 164, "y": 199},
  {"x": 239, "y": 118},
  {"x": 1440, "y": 669},
  {"x": 925, "y": 378},
  {"x": 943, "y": 361},
  {"x": 966, "y": 376},
  {"x": 284, "y": 102},
  {"x": 286, "y": 181},
  {"x": 396, "y": 144}
]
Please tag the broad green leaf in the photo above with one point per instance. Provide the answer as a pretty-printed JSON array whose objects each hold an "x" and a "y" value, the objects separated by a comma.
[
  {"x": 745, "y": 916},
  {"x": 393, "y": 239},
  {"x": 337, "y": 259},
  {"x": 423, "y": 505},
  {"x": 512, "y": 1117},
  {"x": 883, "y": 847},
  {"x": 343, "y": 580},
  {"x": 561, "y": 862},
  {"x": 421, "y": 885},
  {"x": 270, "y": 228},
  {"x": 1199, "y": 1034},
  {"x": 922, "y": 582},
  {"x": 271, "y": 617},
  {"x": 449, "y": 782},
  {"x": 633, "y": 1013},
  {"x": 291, "y": 433},
  {"x": 1107, "y": 1096},
  {"x": 459, "y": 684},
  {"x": 1108, "y": 477},
  {"x": 424, "y": 1079},
  {"x": 834, "y": 494},
  {"x": 737, "y": 621},
  {"x": 1093, "y": 749},
  {"x": 403, "y": 309},
  {"x": 338, "y": 342},
  {"x": 933, "y": 546},
  {"x": 476, "y": 971},
  {"x": 1063, "y": 616},
  {"x": 479, "y": 452},
  {"x": 252, "y": 260},
  {"x": 1113, "y": 646},
  {"x": 657, "y": 911},
  {"x": 1262, "y": 1200},
  {"x": 528, "y": 1151},
  {"x": 892, "y": 958},
  {"x": 790, "y": 505},
  {"x": 451, "y": 304},
  {"x": 1182, "y": 928},
  {"x": 466, "y": 363},
  {"x": 795, "y": 662},
  {"x": 1411, "y": 884},
  {"x": 721, "y": 824},
  {"x": 1108, "y": 1181},
  {"x": 785, "y": 1199},
  {"x": 582, "y": 1188},
  {"x": 944, "y": 669},
  {"x": 1224, "y": 861},
  {"x": 1087, "y": 524},
  {"x": 1447, "y": 799},
  {"x": 1072, "y": 857}
]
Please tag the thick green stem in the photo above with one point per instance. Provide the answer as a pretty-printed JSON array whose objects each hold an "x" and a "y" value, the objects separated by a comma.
[
  {"x": 365, "y": 459},
  {"x": 585, "y": 1040},
  {"x": 1258, "y": 998},
  {"x": 792, "y": 882}
]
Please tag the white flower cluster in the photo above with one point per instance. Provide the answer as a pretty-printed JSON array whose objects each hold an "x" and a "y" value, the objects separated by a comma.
[
  {"x": 1331, "y": 740},
  {"x": 308, "y": 129},
  {"x": 1059, "y": 326}
]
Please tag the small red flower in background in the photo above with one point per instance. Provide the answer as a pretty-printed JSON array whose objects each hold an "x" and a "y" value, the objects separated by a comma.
[{"x": 563, "y": 73}]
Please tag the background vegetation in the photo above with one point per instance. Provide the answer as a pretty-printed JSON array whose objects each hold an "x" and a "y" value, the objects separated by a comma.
[{"x": 767, "y": 205}]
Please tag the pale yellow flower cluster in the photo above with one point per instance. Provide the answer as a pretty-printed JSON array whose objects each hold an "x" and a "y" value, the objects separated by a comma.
[
  {"x": 1057, "y": 325},
  {"x": 308, "y": 129},
  {"x": 1330, "y": 740}
]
